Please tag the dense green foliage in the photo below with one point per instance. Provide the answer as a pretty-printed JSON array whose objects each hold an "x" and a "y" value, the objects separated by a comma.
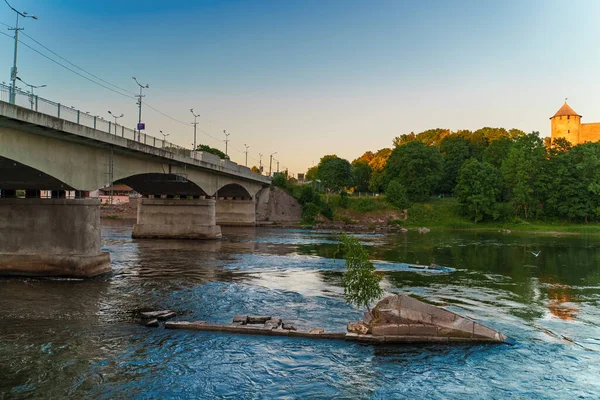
[
  {"x": 311, "y": 174},
  {"x": 207, "y": 149},
  {"x": 335, "y": 173},
  {"x": 344, "y": 199},
  {"x": 395, "y": 194},
  {"x": 361, "y": 284},
  {"x": 309, "y": 212},
  {"x": 361, "y": 173},
  {"x": 417, "y": 167},
  {"x": 280, "y": 181},
  {"x": 496, "y": 174},
  {"x": 478, "y": 189}
]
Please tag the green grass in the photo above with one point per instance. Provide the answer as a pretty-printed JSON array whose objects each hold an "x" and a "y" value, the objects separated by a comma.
[
  {"x": 361, "y": 204},
  {"x": 445, "y": 214}
]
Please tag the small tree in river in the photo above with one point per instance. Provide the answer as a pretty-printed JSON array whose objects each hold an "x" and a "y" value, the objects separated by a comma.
[{"x": 361, "y": 285}]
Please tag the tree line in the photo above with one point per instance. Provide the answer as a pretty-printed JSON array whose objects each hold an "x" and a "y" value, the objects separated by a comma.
[{"x": 495, "y": 174}]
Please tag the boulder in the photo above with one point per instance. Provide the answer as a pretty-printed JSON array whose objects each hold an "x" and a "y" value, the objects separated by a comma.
[
  {"x": 240, "y": 319},
  {"x": 423, "y": 230},
  {"x": 359, "y": 327},
  {"x": 258, "y": 319},
  {"x": 273, "y": 323},
  {"x": 288, "y": 326},
  {"x": 401, "y": 315}
]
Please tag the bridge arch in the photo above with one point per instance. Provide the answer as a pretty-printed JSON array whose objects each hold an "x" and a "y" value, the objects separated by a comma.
[
  {"x": 233, "y": 190},
  {"x": 16, "y": 176},
  {"x": 162, "y": 184}
]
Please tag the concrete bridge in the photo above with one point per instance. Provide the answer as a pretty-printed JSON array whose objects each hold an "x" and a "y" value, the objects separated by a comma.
[{"x": 55, "y": 229}]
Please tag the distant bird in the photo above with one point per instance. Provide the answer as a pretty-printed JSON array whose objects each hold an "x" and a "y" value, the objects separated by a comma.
[{"x": 536, "y": 254}]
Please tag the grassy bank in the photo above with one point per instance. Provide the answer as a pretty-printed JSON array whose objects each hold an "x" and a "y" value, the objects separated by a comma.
[{"x": 443, "y": 214}]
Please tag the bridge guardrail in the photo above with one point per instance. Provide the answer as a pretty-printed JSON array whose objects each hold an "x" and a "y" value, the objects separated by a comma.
[{"x": 71, "y": 114}]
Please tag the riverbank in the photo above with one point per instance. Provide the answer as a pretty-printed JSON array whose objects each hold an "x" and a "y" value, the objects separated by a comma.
[
  {"x": 120, "y": 211},
  {"x": 374, "y": 214}
]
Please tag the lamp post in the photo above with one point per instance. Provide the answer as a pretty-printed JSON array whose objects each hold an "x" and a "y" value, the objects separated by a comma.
[
  {"x": 31, "y": 89},
  {"x": 115, "y": 117},
  {"x": 247, "y": 147},
  {"x": 271, "y": 162},
  {"x": 140, "y": 107},
  {"x": 195, "y": 123},
  {"x": 226, "y": 140},
  {"x": 13, "y": 70},
  {"x": 164, "y": 137}
]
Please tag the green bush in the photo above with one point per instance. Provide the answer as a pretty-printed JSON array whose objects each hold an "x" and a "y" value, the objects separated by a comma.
[
  {"x": 310, "y": 212},
  {"x": 365, "y": 204},
  {"x": 326, "y": 211},
  {"x": 344, "y": 199},
  {"x": 280, "y": 181},
  {"x": 307, "y": 195},
  {"x": 395, "y": 194}
]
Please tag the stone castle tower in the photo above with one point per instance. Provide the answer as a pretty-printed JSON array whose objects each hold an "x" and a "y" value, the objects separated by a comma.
[{"x": 566, "y": 123}]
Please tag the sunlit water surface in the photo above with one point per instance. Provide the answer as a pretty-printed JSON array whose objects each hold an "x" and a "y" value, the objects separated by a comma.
[{"x": 82, "y": 339}]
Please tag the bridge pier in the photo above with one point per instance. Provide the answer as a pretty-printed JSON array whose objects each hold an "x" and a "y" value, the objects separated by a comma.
[
  {"x": 176, "y": 219},
  {"x": 51, "y": 237},
  {"x": 232, "y": 212}
]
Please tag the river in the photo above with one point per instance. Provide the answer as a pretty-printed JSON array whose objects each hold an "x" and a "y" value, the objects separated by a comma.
[{"x": 82, "y": 339}]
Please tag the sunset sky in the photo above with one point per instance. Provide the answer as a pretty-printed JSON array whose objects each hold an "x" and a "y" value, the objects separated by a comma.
[{"x": 308, "y": 78}]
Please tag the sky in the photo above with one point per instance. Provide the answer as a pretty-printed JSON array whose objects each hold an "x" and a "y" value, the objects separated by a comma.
[{"x": 303, "y": 79}]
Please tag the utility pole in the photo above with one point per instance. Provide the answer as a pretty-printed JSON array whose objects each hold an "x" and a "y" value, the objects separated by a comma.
[
  {"x": 247, "y": 147},
  {"x": 260, "y": 162},
  {"x": 115, "y": 117},
  {"x": 13, "y": 70},
  {"x": 226, "y": 140},
  {"x": 195, "y": 123},
  {"x": 271, "y": 162},
  {"x": 277, "y": 166},
  {"x": 31, "y": 88},
  {"x": 140, "y": 127}
]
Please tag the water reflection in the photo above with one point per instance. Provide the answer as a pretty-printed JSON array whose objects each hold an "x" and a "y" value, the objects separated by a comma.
[{"x": 82, "y": 338}]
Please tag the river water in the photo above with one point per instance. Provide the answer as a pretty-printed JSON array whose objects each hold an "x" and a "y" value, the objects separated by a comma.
[{"x": 82, "y": 339}]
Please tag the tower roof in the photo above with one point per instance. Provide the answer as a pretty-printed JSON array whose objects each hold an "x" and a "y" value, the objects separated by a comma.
[{"x": 565, "y": 110}]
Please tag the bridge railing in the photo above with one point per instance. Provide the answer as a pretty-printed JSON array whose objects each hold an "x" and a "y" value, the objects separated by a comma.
[{"x": 71, "y": 114}]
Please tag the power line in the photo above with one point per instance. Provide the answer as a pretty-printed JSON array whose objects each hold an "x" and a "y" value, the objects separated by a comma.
[
  {"x": 87, "y": 72},
  {"x": 67, "y": 68},
  {"x": 104, "y": 86}
]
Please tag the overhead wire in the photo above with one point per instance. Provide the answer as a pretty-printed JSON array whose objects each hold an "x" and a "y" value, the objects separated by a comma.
[
  {"x": 79, "y": 68},
  {"x": 119, "y": 91}
]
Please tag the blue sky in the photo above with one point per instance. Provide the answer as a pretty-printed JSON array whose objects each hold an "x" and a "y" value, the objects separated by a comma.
[{"x": 308, "y": 78}]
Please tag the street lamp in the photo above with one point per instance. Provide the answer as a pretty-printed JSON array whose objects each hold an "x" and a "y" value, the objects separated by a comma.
[
  {"x": 139, "y": 127},
  {"x": 164, "y": 137},
  {"x": 247, "y": 147},
  {"x": 226, "y": 139},
  {"x": 31, "y": 89},
  {"x": 271, "y": 162},
  {"x": 115, "y": 117},
  {"x": 13, "y": 71},
  {"x": 195, "y": 123}
]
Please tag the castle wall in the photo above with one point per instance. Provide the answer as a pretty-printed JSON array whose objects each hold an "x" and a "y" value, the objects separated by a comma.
[
  {"x": 589, "y": 132},
  {"x": 567, "y": 127}
]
